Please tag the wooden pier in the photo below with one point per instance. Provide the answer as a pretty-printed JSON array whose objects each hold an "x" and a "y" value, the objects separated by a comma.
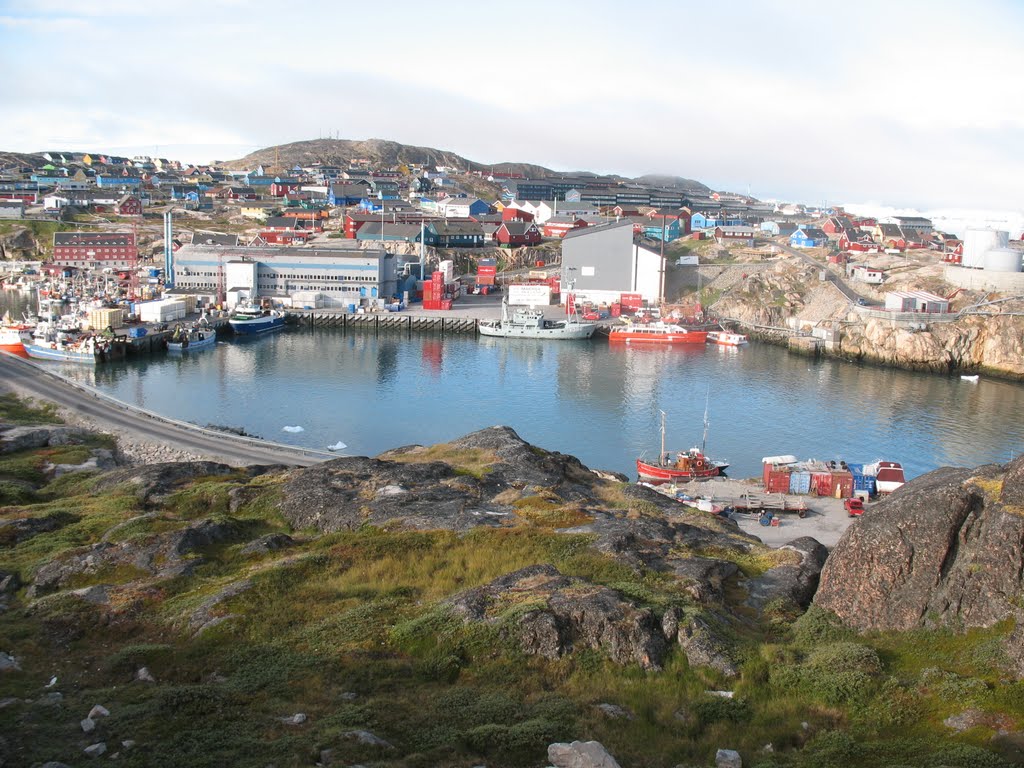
[{"x": 389, "y": 321}]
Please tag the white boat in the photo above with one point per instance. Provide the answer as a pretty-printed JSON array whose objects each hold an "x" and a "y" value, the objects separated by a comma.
[
  {"x": 191, "y": 339},
  {"x": 726, "y": 339},
  {"x": 973, "y": 379},
  {"x": 531, "y": 324}
]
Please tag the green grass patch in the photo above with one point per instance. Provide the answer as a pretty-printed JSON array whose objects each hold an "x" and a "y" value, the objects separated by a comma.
[
  {"x": 15, "y": 410},
  {"x": 472, "y": 461}
]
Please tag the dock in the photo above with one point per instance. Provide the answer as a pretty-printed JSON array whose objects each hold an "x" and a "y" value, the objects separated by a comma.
[{"x": 427, "y": 322}]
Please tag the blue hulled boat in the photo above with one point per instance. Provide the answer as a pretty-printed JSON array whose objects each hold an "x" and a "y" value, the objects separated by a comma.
[{"x": 250, "y": 320}]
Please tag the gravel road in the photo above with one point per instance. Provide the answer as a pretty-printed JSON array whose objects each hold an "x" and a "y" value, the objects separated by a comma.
[{"x": 141, "y": 437}]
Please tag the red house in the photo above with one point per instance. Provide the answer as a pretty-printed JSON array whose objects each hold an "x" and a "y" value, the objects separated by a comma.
[
  {"x": 512, "y": 234},
  {"x": 836, "y": 225},
  {"x": 515, "y": 214},
  {"x": 283, "y": 187},
  {"x": 129, "y": 205},
  {"x": 560, "y": 226}
]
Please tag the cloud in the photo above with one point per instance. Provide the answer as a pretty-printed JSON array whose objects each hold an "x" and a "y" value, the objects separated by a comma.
[{"x": 912, "y": 102}]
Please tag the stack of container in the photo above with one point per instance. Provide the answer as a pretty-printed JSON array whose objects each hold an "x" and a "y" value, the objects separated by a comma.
[
  {"x": 784, "y": 474},
  {"x": 161, "y": 311},
  {"x": 486, "y": 271},
  {"x": 433, "y": 291},
  {"x": 861, "y": 481},
  {"x": 101, "y": 319}
]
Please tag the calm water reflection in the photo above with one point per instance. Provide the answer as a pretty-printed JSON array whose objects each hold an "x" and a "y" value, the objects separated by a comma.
[{"x": 598, "y": 402}]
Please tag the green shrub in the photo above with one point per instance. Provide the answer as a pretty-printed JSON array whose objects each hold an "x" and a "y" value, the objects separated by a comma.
[
  {"x": 818, "y": 626},
  {"x": 833, "y": 749},
  {"x": 714, "y": 710},
  {"x": 964, "y": 756},
  {"x": 488, "y": 738}
]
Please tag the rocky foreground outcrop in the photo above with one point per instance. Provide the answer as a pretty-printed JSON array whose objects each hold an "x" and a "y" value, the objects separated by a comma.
[
  {"x": 945, "y": 550},
  {"x": 490, "y": 478}
]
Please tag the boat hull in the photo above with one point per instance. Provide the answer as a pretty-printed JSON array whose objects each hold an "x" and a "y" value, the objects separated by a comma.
[
  {"x": 570, "y": 331},
  {"x": 194, "y": 345},
  {"x": 39, "y": 352},
  {"x": 654, "y": 473},
  {"x": 617, "y": 336},
  {"x": 14, "y": 349},
  {"x": 725, "y": 339},
  {"x": 256, "y": 326}
]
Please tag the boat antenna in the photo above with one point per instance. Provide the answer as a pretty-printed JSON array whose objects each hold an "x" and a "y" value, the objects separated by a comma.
[
  {"x": 704, "y": 440},
  {"x": 661, "y": 455}
]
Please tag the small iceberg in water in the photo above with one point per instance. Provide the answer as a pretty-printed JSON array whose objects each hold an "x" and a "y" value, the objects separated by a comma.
[
  {"x": 292, "y": 429},
  {"x": 973, "y": 379},
  {"x": 338, "y": 446}
]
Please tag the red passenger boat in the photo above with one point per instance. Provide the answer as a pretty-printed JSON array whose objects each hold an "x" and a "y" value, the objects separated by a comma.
[{"x": 656, "y": 333}]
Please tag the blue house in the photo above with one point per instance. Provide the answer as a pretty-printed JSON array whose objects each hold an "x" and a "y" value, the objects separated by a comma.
[
  {"x": 346, "y": 194},
  {"x": 705, "y": 221},
  {"x": 385, "y": 189},
  {"x": 808, "y": 237},
  {"x": 654, "y": 230}
]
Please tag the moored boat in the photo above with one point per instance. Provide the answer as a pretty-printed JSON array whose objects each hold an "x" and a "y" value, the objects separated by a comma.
[
  {"x": 680, "y": 465},
  {"x": 656, "y": 333},
  {"x": 888, "y": 476},
  {"x": 726, "y": 338},
  {"x": 87, "y": 349},
  {"x": 14, "y": 336},
  {"x": 531, "y": 324},
  {"x": 249, "y": 319},
  {"x": 191, "y": 339}
]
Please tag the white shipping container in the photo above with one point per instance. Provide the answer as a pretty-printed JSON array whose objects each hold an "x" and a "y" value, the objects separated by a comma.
[
  {"x": 161, "y": 311},
  {"x": 529, "y": 295}
]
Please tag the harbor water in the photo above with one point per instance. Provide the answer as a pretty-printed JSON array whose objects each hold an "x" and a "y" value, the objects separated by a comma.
[{"x": 371, "y": 392}]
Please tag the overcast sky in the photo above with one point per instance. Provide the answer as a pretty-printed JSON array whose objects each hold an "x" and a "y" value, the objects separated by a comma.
[{"x": 899, "y": 102}]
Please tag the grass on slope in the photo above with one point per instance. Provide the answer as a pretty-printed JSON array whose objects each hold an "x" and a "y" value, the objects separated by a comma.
[{"x": 351, "y": 629}]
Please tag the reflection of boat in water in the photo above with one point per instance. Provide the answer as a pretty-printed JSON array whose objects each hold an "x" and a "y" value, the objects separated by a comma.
[
  {"x": 250, "y": 319},
  {"x": 656, "y": 333},
  {"x": 191, "y": 339},
  {"x": 726, "y": 339},
  {"x": 973, "y": 379},
  {"x": 531, "y": 324},
  {"x": 680, "y": 465}
]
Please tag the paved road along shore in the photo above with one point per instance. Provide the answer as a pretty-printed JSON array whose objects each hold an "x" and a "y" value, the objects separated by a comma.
[{"x": 27, "y": 378}]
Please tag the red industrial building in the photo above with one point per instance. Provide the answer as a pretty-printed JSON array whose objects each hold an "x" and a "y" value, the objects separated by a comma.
[{"x": 116, "y": 250}]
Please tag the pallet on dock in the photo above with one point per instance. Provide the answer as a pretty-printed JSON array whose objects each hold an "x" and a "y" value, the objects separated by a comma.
[{"x": 755, "y": 501}]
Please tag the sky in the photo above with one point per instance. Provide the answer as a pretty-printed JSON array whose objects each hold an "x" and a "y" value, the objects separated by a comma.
[{"x": 888, "y": 102}]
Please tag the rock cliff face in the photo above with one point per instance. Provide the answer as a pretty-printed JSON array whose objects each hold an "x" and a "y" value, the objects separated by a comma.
[
  {"x": 976, "y": 343},
  {"x": 788, "y": 294},
  {"x": 947, "y": 549}
]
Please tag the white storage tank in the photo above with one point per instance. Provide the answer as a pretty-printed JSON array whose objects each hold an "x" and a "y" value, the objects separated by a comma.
[
  {"x": 977, "y": 242},
  {"x": 1002, "y": 260}
]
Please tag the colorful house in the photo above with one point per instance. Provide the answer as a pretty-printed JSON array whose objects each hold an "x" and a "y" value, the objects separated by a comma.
[
  {"x": 513, "y": 234},
  {"x": 808, "y": 237}
]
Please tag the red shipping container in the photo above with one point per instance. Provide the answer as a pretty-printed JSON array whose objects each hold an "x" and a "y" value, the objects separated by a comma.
[
  {"x": 539, "y": 263},
  {"x": 616, "y": 310},
  {"x": 821, "y": 483},
  {"x": 484, "y": 280},
  {"x": 446, "y": 304},
  {"x": 431, "y": 304},
  {"x": 775, "y": 480},
  {"x": 778, "y": 481},
  {"x": 632, "y": 301},
  {"x": 486, "y": 272},
  {"x": 842, "y": 485}
]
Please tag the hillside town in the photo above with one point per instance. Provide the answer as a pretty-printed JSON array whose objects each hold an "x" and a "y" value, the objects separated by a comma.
[{"x": 367, "y": 236}]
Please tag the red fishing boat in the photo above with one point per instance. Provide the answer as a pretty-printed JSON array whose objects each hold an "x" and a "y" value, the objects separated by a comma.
[{"x": 680, "y": 465}]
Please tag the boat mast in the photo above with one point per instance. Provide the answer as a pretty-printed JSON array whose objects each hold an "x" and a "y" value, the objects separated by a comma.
[
  {"x": 704, "y": 440},
  {"x": 661, "y": 456}
]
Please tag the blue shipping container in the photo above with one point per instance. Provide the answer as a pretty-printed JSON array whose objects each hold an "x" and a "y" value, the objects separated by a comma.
[
  {"x": 864, "y": 483},
  {"x": 856, "y": 469},
  {"x": 800, "y": 482},
  {"x": 136, "y": 333}
]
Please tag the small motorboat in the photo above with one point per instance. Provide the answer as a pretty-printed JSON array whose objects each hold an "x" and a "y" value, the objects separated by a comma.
[{"x": 972, "y": 379}]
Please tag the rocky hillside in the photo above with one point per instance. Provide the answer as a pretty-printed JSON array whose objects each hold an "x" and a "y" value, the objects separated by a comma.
[
  {"x": 379, "y": 152},
  {"x": 778, "y": 297},
  {"x": 458, "y": 604}
]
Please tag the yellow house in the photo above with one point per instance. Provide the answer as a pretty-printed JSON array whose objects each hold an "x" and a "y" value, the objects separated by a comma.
[
  {"x": 255, "y": 210},
  {"x": 87, "y": 159}
]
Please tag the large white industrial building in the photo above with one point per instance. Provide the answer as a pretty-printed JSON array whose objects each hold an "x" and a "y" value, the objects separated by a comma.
[
  {"x": 311, "y": 277},
  {"x": 603, "y": 262}
]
